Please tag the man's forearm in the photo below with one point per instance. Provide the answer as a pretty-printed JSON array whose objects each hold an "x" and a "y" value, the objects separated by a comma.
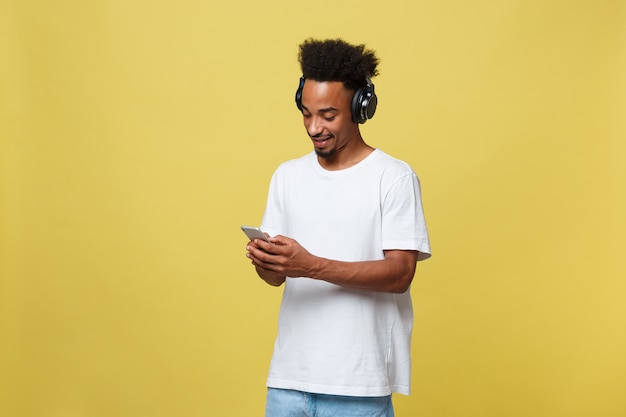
[
  {"x": 285, "y": 257},
  {"x": 392, "y": 274}
]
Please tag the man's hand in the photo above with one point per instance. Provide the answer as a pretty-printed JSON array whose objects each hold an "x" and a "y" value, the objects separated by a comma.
[{"x": 283, "y": 257}]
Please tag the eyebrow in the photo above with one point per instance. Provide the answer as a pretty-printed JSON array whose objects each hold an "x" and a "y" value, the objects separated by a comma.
[{"x": 324, "y": 110}]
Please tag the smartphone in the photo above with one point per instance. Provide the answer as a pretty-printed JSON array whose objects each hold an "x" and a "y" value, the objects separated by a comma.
[{"x": 254, "y": 233}]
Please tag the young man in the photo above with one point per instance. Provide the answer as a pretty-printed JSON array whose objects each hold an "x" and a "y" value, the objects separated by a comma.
[{"x": 348, "y": 229}]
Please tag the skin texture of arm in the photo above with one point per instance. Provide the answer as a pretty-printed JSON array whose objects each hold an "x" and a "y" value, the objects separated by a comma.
[{"x": 286, "y": 257}]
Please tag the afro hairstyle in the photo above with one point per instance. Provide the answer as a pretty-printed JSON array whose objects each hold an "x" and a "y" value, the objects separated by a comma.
[{"x": 337, "y": 60}]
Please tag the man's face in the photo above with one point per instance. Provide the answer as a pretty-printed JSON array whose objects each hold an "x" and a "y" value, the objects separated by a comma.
[{"x": 327, "y": 117}]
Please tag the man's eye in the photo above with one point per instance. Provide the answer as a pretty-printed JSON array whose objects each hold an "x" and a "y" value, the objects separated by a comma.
[{"x": 329, "y": 118}]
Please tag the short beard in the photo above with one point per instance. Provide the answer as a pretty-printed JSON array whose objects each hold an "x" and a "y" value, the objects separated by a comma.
[{"x": 326, "y": 155}]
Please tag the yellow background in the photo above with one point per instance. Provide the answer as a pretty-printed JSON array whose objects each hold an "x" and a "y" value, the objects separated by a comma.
[{"x": 136, "y": 136}]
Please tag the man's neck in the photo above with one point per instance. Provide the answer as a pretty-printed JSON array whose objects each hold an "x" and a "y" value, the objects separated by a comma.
[{"x": 346, "y": 157}]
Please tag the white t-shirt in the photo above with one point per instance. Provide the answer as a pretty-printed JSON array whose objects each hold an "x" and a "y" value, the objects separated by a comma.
[{"x": 331, "y": 339}]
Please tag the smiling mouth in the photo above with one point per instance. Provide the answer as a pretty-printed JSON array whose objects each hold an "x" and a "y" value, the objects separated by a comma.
[{"x": 321, "y": 139}]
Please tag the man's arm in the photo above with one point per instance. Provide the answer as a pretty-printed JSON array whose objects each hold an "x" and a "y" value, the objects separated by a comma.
[{"x": 286, "y": 257}]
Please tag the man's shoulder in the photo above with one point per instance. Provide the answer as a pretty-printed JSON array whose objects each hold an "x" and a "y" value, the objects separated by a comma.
[
  {"x": 390, "y": 163},
  {"x": 292, "y": 166},
  {"x": 296, "y": 162}
]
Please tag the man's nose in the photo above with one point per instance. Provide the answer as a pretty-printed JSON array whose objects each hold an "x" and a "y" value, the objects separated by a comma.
[{"x": 314, "y": 126}]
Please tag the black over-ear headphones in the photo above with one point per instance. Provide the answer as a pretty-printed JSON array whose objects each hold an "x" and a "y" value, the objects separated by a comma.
[{"x": 363, "y": 104}]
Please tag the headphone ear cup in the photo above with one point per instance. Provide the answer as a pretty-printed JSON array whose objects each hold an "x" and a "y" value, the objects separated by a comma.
[
  {"x": 299, "y": 93},
  {"x": 364, "y": 103},
  {"x": 372, "y": 102},
  {"x": 355, "y": 106}
]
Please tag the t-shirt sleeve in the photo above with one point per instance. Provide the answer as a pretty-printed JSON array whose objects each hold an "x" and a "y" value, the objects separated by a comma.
[{"x": 403, "y": 222}]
